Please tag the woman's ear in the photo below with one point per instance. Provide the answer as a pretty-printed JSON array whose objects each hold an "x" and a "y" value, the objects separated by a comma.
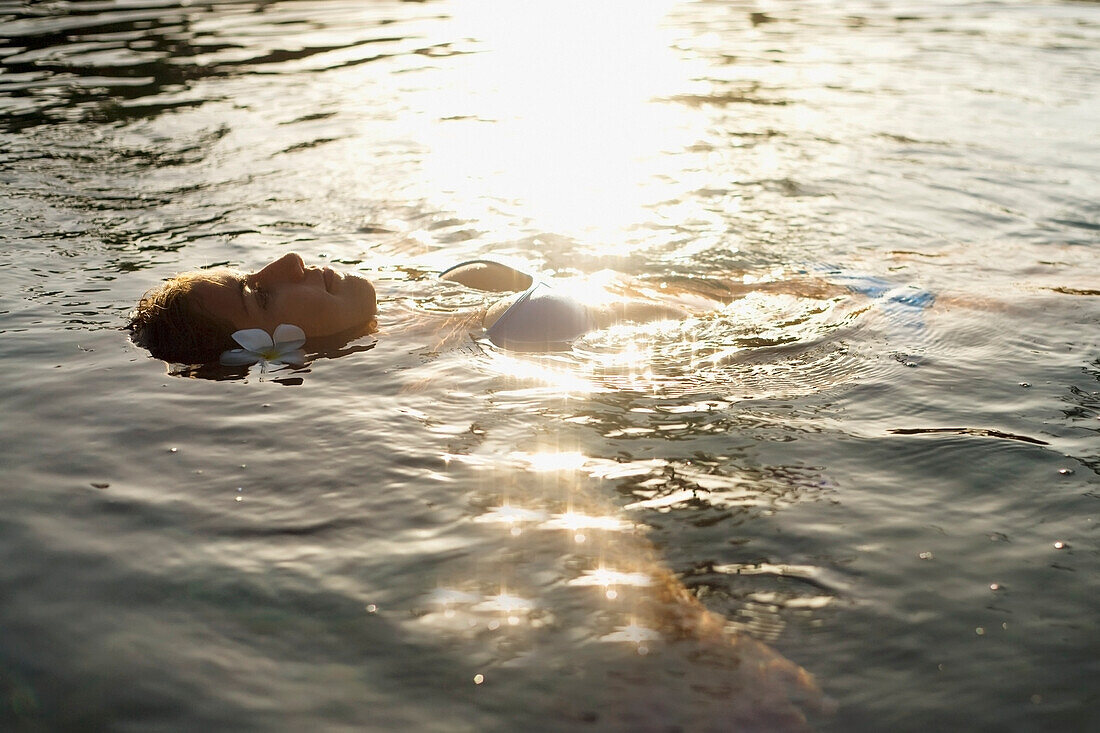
[{"x": 488, "y": 275}]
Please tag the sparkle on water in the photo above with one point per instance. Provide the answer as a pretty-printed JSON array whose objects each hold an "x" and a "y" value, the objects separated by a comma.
[{"x": 839, "y": 475}]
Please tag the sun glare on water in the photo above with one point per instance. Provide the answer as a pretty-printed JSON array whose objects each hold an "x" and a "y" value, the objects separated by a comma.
[{"x": 558, "y": 111}]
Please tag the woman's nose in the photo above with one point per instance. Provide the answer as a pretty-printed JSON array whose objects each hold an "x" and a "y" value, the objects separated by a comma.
[{"x": 288, "y": 268}]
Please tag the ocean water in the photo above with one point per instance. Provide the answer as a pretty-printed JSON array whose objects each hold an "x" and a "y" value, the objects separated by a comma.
[{"x": 893, "y": 489}]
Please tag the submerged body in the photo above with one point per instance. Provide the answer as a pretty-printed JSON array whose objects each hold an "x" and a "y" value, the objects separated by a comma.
[
  {"x": 192, "y": 317},
  {"x": 542, "y": 317}
]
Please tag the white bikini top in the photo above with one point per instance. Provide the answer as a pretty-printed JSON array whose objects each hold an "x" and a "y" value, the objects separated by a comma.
[{"x": 541, "y": 319}]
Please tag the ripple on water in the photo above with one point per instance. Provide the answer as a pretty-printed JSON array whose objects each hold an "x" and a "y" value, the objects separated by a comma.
[
  {"x": 116, "y": 63},
  {"x": 510, "y": 539}
]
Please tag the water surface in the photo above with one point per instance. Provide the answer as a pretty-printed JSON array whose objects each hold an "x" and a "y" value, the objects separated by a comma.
[{"x": 423, "y": 533}]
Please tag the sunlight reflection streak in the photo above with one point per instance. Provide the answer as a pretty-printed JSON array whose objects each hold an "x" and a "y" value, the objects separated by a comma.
[
  {"x": 561, "y": 112},
  {"x": 606, "y": 577},
  {"x": 573, "y": 521}
]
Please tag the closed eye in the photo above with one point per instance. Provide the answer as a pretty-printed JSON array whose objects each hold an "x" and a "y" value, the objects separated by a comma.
[
  {"x": 262, "y": 296},
  {"x": 259, "y": 292}
]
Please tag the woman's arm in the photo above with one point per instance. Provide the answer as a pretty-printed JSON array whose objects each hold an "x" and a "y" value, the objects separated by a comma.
[
  {"x": 724, "y": 290},
  {"x": 488, "y": 275},
  {"x": 635, "y": 311}
]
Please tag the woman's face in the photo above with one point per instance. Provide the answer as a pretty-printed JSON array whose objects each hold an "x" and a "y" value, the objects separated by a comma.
[{"x": 320, "y": 301}]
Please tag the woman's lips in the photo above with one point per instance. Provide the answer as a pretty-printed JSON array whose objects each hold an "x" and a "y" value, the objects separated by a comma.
[{"x": 330, "y": 277}]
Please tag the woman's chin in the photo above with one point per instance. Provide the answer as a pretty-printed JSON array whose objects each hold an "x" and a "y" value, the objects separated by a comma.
[{"x": 340, "y": 339}]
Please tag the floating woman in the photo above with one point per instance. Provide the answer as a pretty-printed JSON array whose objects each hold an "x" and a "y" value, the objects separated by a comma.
[{"x": 192, "y": 317}]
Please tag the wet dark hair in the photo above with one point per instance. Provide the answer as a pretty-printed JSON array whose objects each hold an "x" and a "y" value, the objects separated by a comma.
[{"x": 174, "y": 327}]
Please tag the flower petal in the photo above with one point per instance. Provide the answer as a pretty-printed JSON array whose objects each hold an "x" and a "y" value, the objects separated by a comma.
[
  {"x": 294, "y": 358},
  {"x": 288, "y": 337},
  {"x": 253, "y": 339},
  {"x": 238, "y": 357}
]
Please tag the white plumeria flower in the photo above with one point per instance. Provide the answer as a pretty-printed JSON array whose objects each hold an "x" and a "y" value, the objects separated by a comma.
[{"x": 278, "y": 349}]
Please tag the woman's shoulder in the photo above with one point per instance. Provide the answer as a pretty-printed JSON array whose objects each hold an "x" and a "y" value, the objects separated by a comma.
[{"x": 488, "y": 275}]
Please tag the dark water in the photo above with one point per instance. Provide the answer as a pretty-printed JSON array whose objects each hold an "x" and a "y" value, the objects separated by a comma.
[{"x": 904, "y": 502}]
